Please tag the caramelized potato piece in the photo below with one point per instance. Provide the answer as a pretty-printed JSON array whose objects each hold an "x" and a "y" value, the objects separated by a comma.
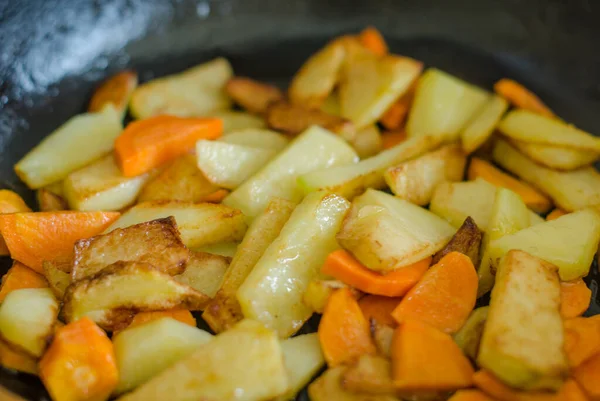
[
  {"x": 49, "y": 201},
  {"x": 116, "y": 90},
  {"x": 204, "y": 272},
  {"x": 467, "y": 240},
  {"x": 252, "y": 95}
]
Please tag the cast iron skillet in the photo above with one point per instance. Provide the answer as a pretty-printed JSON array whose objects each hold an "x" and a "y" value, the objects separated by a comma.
[{"x": 53, "y": 53}]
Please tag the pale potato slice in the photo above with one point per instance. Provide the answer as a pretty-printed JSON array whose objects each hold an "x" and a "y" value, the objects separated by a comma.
[
  {"x": 27, "y": 318},
  {"x": 528, "y": 126},
  {"x": 58, "y": 280},
  {"x": 481, "y": 127},
  {"x": 78, "y": 142},
  {"x": 557, "y": 157},
  {"x": 467, "y": 240},
  {"x": 469, "y": 336},
  {"x": 568, "y": 242},
  {"x": 227, "y": 165},
  {"x": 102, "y": 186},
  {"x": 353, "y": 179},
  {"x": 443, "y": 105},
  {"x": 204, "y": 272},
  {"x": 227, "y": 249},
  {"x": 416, "y": 180},
  {"x": 199, "y": 223},
  {"x": 522, "y": 342},
  {"x": 272, "y": 292},
  {"x": 244, "y": 363},
  {"x": 197, "y": 91},
  {"x": 237, "y": 120},
  {"x": 257, "y": 138},
  {"x": 156, "y": 242},
  {"x": 252, "y": 95},
  {"x": 111, "y": 296},
  {"x": 367, "y": 142},
  {"x": 386, "y": 233},
  {"x": 329, "y": 387},
  {"x": 143, "y": 352},
  {"x": 49, "y": 201},
  {"x": 314, "y": 149},
  {"x": 224, "y": 310},
  {"x": 370, "y": 374},
  {"x": 570, "y": 190},
  {"x": 318, "y": 292}
]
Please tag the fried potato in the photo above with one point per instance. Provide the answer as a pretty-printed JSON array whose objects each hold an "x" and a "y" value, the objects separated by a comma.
[
  {"x": 58, "y": 280},
  {"x": 195, "y": 92},
  {"x": 318, "y": 292},
  {"x": 237, "y": 120},
  {"x": 257, "y": 138},
  {"x": 571, "y": 190},
  {"x": 382, "y": 336},
  {"x": 244, "y": 360},
  {"x": 367, "y": 142},
  {"x": 113, "y": 295},
  {"x": 557, "y": 157},
  {"x": 481, "y": 127},
  {"x": 467, "y": 240},
  {"x": 416, "y": 180},
  {"x": 198, "y": 223},
  {"x": 386, "y": 233},
  {"x": 331, "y": 105},
  {"x": 469, "y": 336},
  {"x": 156, "y": 242},
  {"x": 371, "y": 374},
  {"x": 523, "y": 339},
  {"x": 49, "y": 201},
  {"x": 116, "y": 90},
  {"x": 252, "y": 95},
  {"x": 227, "y": 249},
  {"x": 329, "y": 387},
  {"x": 204, "y": 272}
]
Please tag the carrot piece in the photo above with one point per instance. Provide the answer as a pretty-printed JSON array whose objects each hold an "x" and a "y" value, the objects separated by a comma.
[
  {"x": 395, "y": 115},
  {"x": 149, "y": 143},
  {"x": 116, "y": 90},
  {"x": 575, "y": 298},
  {"x": 555, "y": 214},
  {"x": 372, "y": 39},
  {"x": 393, "y": 138},
  {"x": 379, "y": 308},
  {"x": 18, "y": 277},
  {"x": 183, "y": 315},
  {"x": 344, "y": 267},
  {"x": 216, "y": 197},
  {"x": 35, "y": 237},
  {"x": 534, "y": 199},
  {"x": 12, "y": 359},
  {"x": 344, "y": 332},
  {"x": 470, "y": 395},
  {"x": 426, "y": 359},
  {"x": 521, "y": 97},
  {"x": 80, "y": 363},
  {"x": 10, "y": 202},
  {"x": 444, "y": 297},
  {"x": 588, "y": 376},
  {"x": 582, "y": 339}
]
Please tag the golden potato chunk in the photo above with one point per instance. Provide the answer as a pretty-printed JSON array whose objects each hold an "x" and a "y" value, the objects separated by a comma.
[{"x": 252, "y": 95}]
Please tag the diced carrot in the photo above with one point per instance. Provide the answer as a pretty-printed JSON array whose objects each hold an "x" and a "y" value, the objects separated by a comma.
[
  {"x": 582, "y": 339},
  {"x": 555, "y": 214},
  {"x": 116, "y": 90},
  {"x": 18, "y": 277},
  {"x": 588, "y": 376},
  {"x": 344, "y": 267},
  {"x": 344, "y": 332},
  {"x": 470, "y": 395},
  {"x": 10, "y": 202},
  {"x": 183, "y": 315},
  {"x": 394, "y": 117},
  {"x": 393, "y": 138},
  {"x": 35, "y": 237},
  {"x": 575, "y": 298},
  {"x": 216, "y": 197},
  {"x": 521, "y": 97},
  {"x": 80, "y": 364},
  {"x": 444, "y": 297},
  {"x": 379, "y": 308},
  {"x": 372, "y": 39},
  {"x": 12, "y": 359},
  {"x": 152, "y": 142},
  {"x": 534, "y": 199},
  {"x": 426, "y": 359}
]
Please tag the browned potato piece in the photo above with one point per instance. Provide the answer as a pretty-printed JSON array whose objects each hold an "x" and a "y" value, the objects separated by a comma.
[
  {"x": 252, "y": 95},
  {"x": 204, "y": 272},
  {"x": 467, "y": 240},
  {"x": 557, "y": 157},
  {"x": 49, "y": 202},
  {"x": 328, "y": 387},
  {"x": 371, "y": 374},
  {"x": 156, "y": 242},
  {"x": 116, "y": 90},
  {"x": 111, "y": 296},
  {"x": 382, "y": 336},
  {"x": 58, "y": 280}
]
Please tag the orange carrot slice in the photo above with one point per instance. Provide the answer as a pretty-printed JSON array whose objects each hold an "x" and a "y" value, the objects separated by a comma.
[
  {"x": 587, "y": 375},
  {"x": 444, "y": 297},
  {"x": 116, "y": 90},
  {"x": 582, "y": 339},
  {"x": 555, "y": 214},
  {"x": 521, "y": 97},
  {"x": 379, "y": 308},
  {"x": 425, "y": 359},
  {"x": 182, "y": 315},
  {"x": 344, "y": 332},
  {"x": 575, "y": 298},
  {"x": 12, "y": 359},
  {"x": 10, "y": 202},
  {"x": 80, "y": 363},
  {"x": 18, "y": 277},
  {"x": 394, "y": 117},
  {"x": 152, "y": 142},
  {"x": 372, "y": 39},
  {"x": 35, "y": 237},
  {"x": 393, "y": 138},
  {"x": 470, "y": 395},
  {"x": 344, "y": 267}
]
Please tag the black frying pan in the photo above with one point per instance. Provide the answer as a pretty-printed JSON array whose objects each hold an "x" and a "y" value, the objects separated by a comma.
[{"x": 54, "y": 52}]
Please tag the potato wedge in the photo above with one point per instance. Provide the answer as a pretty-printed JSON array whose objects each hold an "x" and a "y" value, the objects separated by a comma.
[
  {"x": 469, "y": 336},
  {"x": 257, "y": 138},
  {"x": 204, "y": 272},
  {"x": 116, "y": 90},
  {"x": 370, "y": 374},
  {"x": 58, "y": 280},
  {"x": 156, "y": 242},
  {"x": 318, "y": 292},
  {"x": 102, "y": 186},
  {"x": 367, "y": 142},
  {"x": 568, "y": 242},
  {"x": 237, "y": 120},
  {"x": 224, "y": 310},
  {"x": 570, "y": 190},
  {"x": 76, "y": 143},
  {"x": 467, "y": 240},
  {"x": 386, "y": 233},
  {"x": 481, "y": 127},
  {"x": 443, "y": 105},
  {"x": 415, "y": 180},
  {"x": 198, "y": 91},
  {"x": 112, "y": 296},
  {"x": 314, "y": 149},
  {"x": 227, "y": 249},
  {"x": 50, "y": 202},
  {"x": 523, "y": 339},
  {"x": 557, "y": 157},
  {"x": 27, "y": 319},
  {"x": 331, "y": 105},
  {"x": 227, "y": 165},
  {"x": 198, "y": 223},
  {"x": 272, "y": 292},
  {"x": 252, "y": 95},
  {"x": 245, "y": 360},
  {"x": 144, "y": 351},
  {"x": 329, "y": 387},
  {"x": 353, "y": 179}
]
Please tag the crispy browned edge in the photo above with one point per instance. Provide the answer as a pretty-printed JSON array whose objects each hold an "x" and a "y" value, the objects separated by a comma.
[
  {"x": 293, "y": 119},
  {"x": 467, "y": 240},
  {"x": 252, "y": 95}
]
